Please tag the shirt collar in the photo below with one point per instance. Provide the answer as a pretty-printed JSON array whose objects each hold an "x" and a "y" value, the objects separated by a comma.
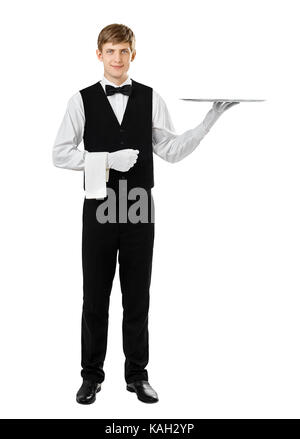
[{"x": 105, "y": 81}]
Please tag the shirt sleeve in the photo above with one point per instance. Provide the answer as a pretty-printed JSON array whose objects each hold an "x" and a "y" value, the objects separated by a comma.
[
  {"x": 166, "y": 143},
  {"x": 65, "y": 151}
]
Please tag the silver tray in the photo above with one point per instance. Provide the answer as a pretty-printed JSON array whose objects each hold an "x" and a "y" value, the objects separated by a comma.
[{"x": 223, "y": 100}]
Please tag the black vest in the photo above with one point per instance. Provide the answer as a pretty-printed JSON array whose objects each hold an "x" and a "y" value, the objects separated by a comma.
[{"x": 103, "y": 133}]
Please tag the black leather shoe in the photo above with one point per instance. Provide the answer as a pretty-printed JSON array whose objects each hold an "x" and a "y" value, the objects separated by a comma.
[
  {"x": 87, "y": 392},
  {"x": 143, "y": 390}
]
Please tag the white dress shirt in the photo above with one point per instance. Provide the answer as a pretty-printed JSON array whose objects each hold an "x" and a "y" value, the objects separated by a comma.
[{"x": 166, "y": 143}]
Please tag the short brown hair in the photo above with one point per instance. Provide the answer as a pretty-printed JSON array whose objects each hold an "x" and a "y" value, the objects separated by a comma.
[{"x": 116, "y": 33}]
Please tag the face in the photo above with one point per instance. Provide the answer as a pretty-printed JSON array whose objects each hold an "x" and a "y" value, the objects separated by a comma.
[{"x": 116, "y": 60}]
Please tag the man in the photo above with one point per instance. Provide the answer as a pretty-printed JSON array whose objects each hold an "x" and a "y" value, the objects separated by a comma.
[{"x": 122, "y": 122}]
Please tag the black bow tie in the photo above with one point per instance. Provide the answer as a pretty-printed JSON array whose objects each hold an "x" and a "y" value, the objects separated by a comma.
[{"x": 126, "y": 89}]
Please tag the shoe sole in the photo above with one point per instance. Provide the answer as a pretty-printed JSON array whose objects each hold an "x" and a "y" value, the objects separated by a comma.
[
  {"x": 89, "y": 402},
  {"x": 130, "y": 389}
]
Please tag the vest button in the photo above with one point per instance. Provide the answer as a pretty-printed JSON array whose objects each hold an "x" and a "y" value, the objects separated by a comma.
[
  {"x": 122, "y": 130},
  {"x": 122, "y": 142}
]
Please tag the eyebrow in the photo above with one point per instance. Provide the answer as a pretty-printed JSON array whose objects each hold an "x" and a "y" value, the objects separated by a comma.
[{"x": 124, "y": 48}]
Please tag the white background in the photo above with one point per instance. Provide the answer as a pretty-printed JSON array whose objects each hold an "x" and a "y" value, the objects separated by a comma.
[{"x": 224, "y": 308}]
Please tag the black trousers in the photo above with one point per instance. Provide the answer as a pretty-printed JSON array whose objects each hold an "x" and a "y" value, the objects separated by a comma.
[{"x": 102, "y": 244}]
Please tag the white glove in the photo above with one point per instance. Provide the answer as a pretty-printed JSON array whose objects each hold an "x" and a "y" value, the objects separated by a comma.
[
  {"x": 221, "y": 106},
  {"x": 215, "y": 112},
  {"x": 123, "y": 159}
]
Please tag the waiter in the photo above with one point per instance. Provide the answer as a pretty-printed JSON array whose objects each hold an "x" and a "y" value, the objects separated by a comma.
[{"x": 122, "y": 122}]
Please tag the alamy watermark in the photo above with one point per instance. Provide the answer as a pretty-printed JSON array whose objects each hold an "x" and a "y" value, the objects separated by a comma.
[{"x": 137, "y": 212}]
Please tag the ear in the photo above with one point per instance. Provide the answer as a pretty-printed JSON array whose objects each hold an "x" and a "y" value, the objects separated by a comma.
[
  {"x": 99, "y": 54},
  {"x": 133, "y": 55}
]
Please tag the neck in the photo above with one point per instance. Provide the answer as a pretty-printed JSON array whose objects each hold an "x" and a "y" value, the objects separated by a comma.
[{"x": 117, "y": 81}]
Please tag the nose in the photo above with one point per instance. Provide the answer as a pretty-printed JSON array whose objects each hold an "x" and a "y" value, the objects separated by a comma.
[{"x": 118, "y": 58}]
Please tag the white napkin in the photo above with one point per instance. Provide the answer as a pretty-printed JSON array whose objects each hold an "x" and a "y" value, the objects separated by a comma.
[{"x": 95, "y": 174}]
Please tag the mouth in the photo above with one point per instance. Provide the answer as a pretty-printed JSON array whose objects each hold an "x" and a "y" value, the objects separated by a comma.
[{"x": 117, "y": 67}]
